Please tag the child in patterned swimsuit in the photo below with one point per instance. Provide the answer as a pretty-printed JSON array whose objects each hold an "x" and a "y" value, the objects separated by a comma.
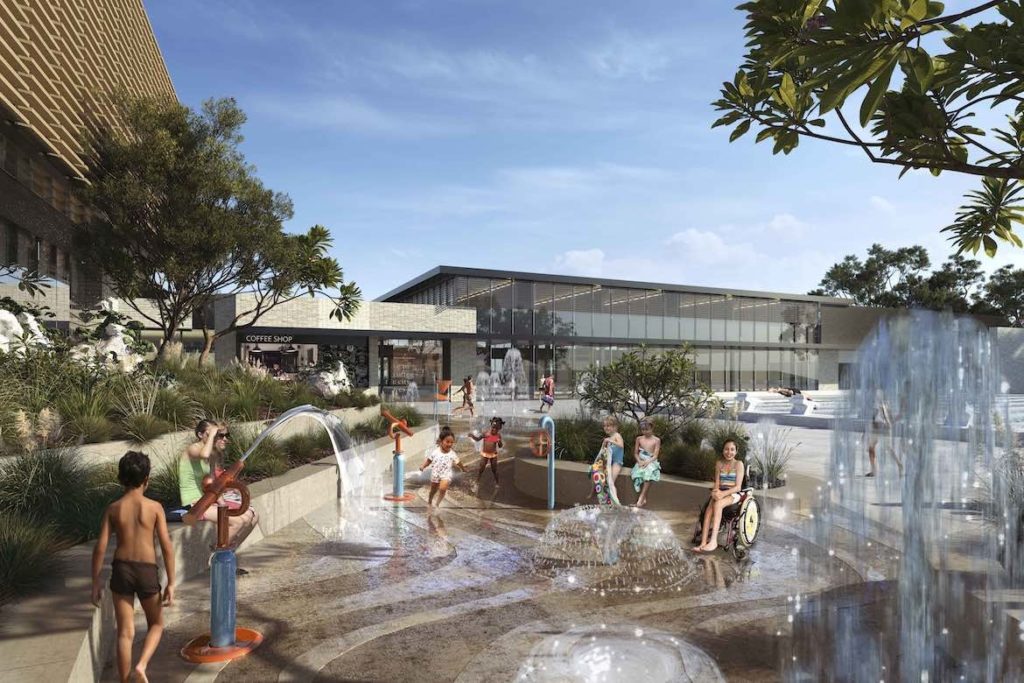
[
  {"x": 489, "y": 451},
  {"x": 440, "y": 461}
]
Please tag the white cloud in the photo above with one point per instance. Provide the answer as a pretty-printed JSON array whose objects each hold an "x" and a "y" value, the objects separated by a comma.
[
  {"x": 589, "y": 262},
  {"x": 882, "y": 204},
  {"x": 628, "y": 56},
  {"x": 349, "y": 115}
]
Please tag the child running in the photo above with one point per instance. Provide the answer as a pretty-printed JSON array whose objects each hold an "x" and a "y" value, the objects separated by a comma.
[
  {"x": 728, "y": 484},
  {"x": 468, "y": 392},
  {"x": 440, "y": 461},
  {"x": 134, "y": 519},
  {"x": 489, "y": 450},
  {"x": 646, "y": 450}
]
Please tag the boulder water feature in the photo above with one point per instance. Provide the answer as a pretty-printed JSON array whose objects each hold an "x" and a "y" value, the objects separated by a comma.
[{"x": 934, "y": 501}]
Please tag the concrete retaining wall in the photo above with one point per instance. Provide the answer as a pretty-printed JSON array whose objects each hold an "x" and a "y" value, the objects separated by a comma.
[
  {"x": 572, "y": 486},
  {"x": 60, "y": 636}
]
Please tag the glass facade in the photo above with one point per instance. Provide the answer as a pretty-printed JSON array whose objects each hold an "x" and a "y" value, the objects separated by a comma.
[{"x": 740, "y": 343}]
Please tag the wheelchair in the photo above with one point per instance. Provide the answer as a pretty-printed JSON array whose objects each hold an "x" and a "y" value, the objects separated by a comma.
[{"x": 740, "y": 523}]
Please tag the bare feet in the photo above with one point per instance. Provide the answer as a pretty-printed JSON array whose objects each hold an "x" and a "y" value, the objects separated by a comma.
[
  {"x": 139, "y": 675},
  {"x": 641, "y": 503},
  {"x": 709, "y": 547},
  {"x": 697, "y": 549}
]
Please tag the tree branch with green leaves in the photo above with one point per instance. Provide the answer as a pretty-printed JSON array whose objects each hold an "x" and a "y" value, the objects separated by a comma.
[{"x": 921, "y": 78}]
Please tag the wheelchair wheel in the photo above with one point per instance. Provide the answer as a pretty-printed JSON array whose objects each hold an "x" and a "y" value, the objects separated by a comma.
[{"x": 749, "y": 522}]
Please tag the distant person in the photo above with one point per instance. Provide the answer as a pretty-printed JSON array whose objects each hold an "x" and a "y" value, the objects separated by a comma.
[
  {"x": 468, "y": 395},
  {"x": 728, "y": 483},
  {"x": 547, "y": 392},
  {"x": 205, "y": 457},
  {"x": 881, "y": 430},
  {"x": 135, "y": 520},
  {"x": 646, "y": 450},
  {"x": 441, "y": 460},
  {"x": 489, "y": 449}
]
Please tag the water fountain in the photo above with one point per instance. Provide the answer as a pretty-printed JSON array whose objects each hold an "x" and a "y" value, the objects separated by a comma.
[
  {"x": 943, "y": 617},
  {"x": 226, "y": 641},
  {"x": 612, "y": 549}
]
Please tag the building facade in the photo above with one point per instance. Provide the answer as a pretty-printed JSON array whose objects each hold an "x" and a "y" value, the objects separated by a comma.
[
  {"x": 61, "y": 61},
  {"x": 742, "y": 340}
]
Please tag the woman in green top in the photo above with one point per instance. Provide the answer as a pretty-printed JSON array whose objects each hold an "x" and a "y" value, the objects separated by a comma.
[{"x": 201, "y": 458}]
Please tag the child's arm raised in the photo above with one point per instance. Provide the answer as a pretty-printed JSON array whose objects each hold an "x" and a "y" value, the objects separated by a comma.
[
  {"x": 167, "y": 550},
  {"x": 98, "y": 552}
]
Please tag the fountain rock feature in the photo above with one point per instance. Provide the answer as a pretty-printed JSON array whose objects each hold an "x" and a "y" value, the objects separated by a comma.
[
  {"x": 330, "y": 383},
  {"x": 934, "y": 501},
  {"x": 616, "y": 652},
  {"x": 604, "y": 549}
]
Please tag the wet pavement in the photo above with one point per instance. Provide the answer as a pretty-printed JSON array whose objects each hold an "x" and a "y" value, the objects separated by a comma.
[{"x": 397, "y": 593}]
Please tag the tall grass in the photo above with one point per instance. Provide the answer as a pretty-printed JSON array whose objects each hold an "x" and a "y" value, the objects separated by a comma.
[
  {"x": 163, "y": 484},
  {"x": 268, "y": 460},
  {"x": 28, "y": 555},
  {"x": 725, "y": 431},
  {"x": 86, "y": 411},
  {"x": 770, "y": 452}
]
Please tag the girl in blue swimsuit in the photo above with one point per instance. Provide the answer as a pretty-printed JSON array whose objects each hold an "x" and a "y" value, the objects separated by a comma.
[{"x": 728, "y": 483}]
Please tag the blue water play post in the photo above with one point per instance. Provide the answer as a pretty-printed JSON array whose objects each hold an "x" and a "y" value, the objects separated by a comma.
[
  {"x": 547, "y": 423},
  {"x": 398, "y": 494}
]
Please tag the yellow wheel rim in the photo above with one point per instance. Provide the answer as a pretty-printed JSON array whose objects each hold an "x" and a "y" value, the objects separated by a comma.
[{"x": 750, "y": 522}]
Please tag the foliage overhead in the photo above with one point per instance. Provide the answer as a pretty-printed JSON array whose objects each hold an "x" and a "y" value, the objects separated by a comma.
[
  {"x": 644, "y": 382},
  {"x": 180, "y": 218},
  {"x": 926, "y": 83},
  {"x": 903, "y": 278}
]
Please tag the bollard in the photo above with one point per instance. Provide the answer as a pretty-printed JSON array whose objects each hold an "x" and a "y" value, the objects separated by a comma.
[
  {"x": 223, "y": 609},
  {"x": 547, "y": 423}
]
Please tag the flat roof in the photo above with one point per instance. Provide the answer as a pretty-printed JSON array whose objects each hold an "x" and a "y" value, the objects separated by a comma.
[{"x": 440, "y": 271}]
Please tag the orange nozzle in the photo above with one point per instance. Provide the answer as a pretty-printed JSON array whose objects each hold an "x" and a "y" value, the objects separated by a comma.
[
  {"x": 212, "y": 492},
  {"x": 396, "y": 426}
]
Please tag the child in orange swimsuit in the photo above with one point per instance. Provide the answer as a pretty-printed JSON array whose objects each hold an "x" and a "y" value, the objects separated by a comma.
[{"x": 489, "y": 451}]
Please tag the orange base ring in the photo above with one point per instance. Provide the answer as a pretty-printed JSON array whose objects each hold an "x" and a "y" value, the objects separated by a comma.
[
  {"x": 407, "y": 498},
  {"x": 198, "y": 650}
]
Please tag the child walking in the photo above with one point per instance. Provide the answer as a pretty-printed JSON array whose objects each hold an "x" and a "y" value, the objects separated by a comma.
[
  {"x": 489, "y": 450},
  {"x": 134, "y": 519},
  {"x": 440, "y": 461},
  {"x": 646, "y": 450}
]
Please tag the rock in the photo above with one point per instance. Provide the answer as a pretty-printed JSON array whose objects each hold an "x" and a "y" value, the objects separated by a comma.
[
  {"x": 34, "y": 332},
  {"x": 11, "y": 331},
  {"x": 331, "y": 383}
]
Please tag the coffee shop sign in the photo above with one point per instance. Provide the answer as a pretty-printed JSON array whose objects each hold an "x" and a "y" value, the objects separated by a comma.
[{"x": 269, "y": 338}]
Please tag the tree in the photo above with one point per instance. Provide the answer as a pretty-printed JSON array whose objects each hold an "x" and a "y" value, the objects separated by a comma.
[
  {"x": 29, "y": 281},
  {"x": 180, "y": 218},
  {"x": 1004, "y": 294},
  {"x": 807, "y": 58},
  {"x": 643, "y": 382},
  {"x": 900, "y": 278}
]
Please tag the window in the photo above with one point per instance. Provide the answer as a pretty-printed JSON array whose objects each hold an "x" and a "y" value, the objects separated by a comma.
[
  {"x": 671, "y": 312},
  {"x": 702, "y": 318},
  {"x": 655, "y": 315},
  {"x": 501, "y": 299},
  {"x": 602, "y": 313},
  {"x": 562, "y": 305},
  {"x": 583, "y": 310},
  {"x": 478, "y": 296},
  {"x": 522, "y": 320},
  {"x": 618, "y": 306},
  {"x": 638, "y": 314},
  {"x": 11, "y": 254},
  {"x": 542, "y": 316}
]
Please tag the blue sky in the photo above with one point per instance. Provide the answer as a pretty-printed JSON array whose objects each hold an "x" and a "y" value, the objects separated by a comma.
[{"x": 556, "y": 137}]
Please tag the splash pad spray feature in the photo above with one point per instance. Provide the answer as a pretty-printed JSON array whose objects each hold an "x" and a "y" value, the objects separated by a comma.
[
  {"x": 226, "y": 641},
  {"x": 395, "y": 430}
]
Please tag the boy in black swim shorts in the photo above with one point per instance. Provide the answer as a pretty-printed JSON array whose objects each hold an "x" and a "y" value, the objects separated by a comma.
[{"x": 134, "y": 519}]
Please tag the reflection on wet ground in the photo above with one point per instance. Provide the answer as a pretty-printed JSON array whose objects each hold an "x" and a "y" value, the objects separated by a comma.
[{"x": 473, "y": 592}]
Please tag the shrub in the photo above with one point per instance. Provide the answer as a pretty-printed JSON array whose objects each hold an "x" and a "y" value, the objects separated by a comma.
[
  {"x": 268, "y": 460},
  {"x": 769, "y": 456},
  {"x": 688, "y": 461},
  {"x": 143, "y": 428},
  {"x": 577, "y": 438},
  {"x": 723, "y": 431},
  {"x": 163, "y": 484},
  {"x": 86, "y": 410},
  {"x": 55, "y": 487},
  {"x": 28, "y": 554},
  {"x": 369, "y": 430},
  {"x": 342, "y": 399},
  {"x": 176, "y": 408},
  {"x": 306, "y": 448},
  {"x": 412, "y": 417},
  {"x": 693, "y": 432}
]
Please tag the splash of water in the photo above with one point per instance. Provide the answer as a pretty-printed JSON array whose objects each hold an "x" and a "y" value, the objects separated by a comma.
[
  {"x": 617, "y": 652},
  {"x": 606, "y": 548},
  {"x": 924, "y": 401}
]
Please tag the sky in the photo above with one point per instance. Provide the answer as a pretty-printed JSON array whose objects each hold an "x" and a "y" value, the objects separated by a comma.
[{"x": 558, "y": 136}]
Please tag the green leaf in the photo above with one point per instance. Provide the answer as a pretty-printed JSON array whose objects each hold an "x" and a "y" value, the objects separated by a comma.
[
  {"x": 811, "y": 10},
  {"x": 990, "y": 246},
  {"x": 740, "y": 130},
  {"x": 875, "y": 93},
  {"x": 765, "y": 134},
  {"x": 921, "y": 67},
  {"x": 787, "y": 91},
  {"x": 917, "y": 11}
]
